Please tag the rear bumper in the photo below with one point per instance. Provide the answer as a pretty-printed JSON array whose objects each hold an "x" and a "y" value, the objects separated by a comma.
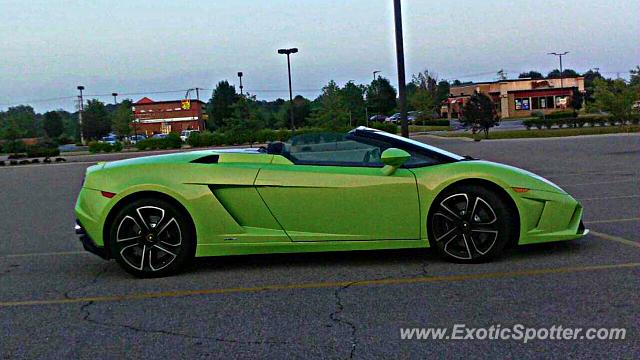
[{"x": 88, "y": 244}]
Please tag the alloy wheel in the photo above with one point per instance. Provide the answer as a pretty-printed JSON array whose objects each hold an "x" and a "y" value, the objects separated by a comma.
[
  {"x": 465, "y": 225},
  {"x": 148, "y": 238}
]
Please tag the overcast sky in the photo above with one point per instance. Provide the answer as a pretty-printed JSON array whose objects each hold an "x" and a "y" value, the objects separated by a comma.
[{"x": 47, "y": 48}]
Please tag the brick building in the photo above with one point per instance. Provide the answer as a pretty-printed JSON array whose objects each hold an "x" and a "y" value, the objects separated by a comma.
[
  {"x": 518, "y": 97},
  {"x": 154, "y": 117}
]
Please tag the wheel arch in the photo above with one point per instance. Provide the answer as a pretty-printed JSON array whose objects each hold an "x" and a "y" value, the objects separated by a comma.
[
  {"x": 136, "y": 196},
  {"x": 499, "y": 190}
]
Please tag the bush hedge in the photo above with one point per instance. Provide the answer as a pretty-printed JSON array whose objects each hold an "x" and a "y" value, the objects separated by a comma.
[
  {"x": 96, "y": 147},
  {"x": 43, "y": 149},
  {"x": 600, "y": 120},
  {"x": 385, "y": 126},
  {"x": 172, "y": 141},
  {"x": 432, "y": 122}
]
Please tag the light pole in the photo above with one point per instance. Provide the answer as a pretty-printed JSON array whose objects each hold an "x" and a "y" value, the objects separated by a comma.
[
  {"x": 115, "y": 98},
  {"x": 374, "y": 74},
  {"x": 560, "y": 55},
  {"x": 80, "y": 111},
  {"x": 240, "y": 76},
  {"x": 288, "y": 52},
  {"x": 402, "y": 96}
]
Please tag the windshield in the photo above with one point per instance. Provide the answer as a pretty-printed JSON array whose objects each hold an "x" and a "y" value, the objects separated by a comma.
[{"x": 419, "y": 144}]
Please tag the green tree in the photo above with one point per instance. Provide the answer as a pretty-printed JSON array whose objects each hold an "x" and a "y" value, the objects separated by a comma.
[
  {"x": 425, "y": 96},
  {"x": 576, "y": 101},
  {"x": 301, "y": 112},
  {"x": 616, "y": 97},
  {"x": 52, "y": 124},
  {"x": 381, "y": 97},
  {"x": 95, "y": 120},
  {"x": 330, "y": 110},
  {"x": 567, "y": 73},
  {"x": 122, "y": 118},
  {"x": 220, "y": 106},
  {"x": 442, "y": 91},
  {"x": 479, "y": 113},
  {"x": 25, "y": 119},
  {"x": 531, "y": 74},
  {"x": 245, "y": 120},
  {"x": 12, "y": 134},
  {"x": 635, "y": 77},
  {"x": 353, "y": 99}
]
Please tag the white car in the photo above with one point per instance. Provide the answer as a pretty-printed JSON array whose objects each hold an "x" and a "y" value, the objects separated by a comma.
[
  {"x": 184, "y": 135},
  {"x": 110, "y": 139}
]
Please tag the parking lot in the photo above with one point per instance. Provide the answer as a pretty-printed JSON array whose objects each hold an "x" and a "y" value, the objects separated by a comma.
[{"x": 56, "y": 301}]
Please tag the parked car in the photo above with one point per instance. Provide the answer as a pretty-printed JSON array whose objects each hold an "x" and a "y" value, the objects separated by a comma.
[
  {"x": 133, "y": 139},
  {"x": 393, "y": 118},
  {"x": 155, "y": 214},
  {"x": 412, "y": 116},
  {"x": 110, "y": 139},
  {"x": 159, "y": 136},
  {"x": 184, "y": 135},
  {"x": 378, "y": 117}
]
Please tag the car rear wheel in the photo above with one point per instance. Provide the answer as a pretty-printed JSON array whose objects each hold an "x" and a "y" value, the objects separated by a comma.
[
  {"x": 470, "y": 223},
  {"x": 152, "y": 238}
]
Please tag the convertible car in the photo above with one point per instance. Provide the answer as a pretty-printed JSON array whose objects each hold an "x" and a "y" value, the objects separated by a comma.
[{"x": 366, "y": 189}]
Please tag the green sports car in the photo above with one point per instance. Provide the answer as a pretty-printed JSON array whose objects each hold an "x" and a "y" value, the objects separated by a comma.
[{"x": 366, "y": 189}]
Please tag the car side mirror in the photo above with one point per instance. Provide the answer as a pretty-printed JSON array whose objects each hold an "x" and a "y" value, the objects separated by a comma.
[{"x": 392, "y": 159}]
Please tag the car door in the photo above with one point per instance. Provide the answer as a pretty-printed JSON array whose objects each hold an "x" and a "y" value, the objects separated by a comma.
[{"x": 332, "y": 194}]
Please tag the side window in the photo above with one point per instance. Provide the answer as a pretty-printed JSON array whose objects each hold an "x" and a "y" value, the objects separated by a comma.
[{"x": 332, "y": 149}]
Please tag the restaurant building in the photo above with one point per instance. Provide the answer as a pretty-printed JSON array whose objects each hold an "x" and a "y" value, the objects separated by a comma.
[
  {"x": 155, "y": 117},
  {"x": 518, "y": 97}
]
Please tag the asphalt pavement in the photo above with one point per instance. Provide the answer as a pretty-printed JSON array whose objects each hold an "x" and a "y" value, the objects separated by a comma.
[{"x": 56, "y": 301}]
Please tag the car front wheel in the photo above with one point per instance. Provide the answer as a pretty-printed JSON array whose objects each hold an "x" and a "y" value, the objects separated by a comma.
[
  {"x": 151, "y": 238},
  {"x": 470, "y": 223}
]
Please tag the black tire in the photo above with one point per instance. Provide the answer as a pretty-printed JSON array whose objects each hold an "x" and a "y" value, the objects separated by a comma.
[
  {"x": 471, "y": 224},
  {"x": 152, "y": 238}
]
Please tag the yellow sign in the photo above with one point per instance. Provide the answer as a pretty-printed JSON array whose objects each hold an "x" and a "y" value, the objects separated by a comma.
[{"x": 186, "y": 104}]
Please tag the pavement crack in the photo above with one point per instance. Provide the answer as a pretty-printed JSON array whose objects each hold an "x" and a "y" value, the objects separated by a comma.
[
  {"x": 87, "y": 317},
  {"x": 338, "y": 319},
  {"x": 93, "y": 281}
]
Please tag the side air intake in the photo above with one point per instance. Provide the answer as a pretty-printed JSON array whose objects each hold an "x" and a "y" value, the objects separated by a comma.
[{"x": 209, "y": 159}]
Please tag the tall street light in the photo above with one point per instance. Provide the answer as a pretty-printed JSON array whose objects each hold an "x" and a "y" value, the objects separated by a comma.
[
  {"x": 115, "y": 98},
  {"x": 288, "y": 52},
  {"x": 402, "y": 96},
  {"x": 80, "y": 111},
  {"x": 240, "y": 76},
  {"x": 374, "y": 74},
  {"x": 560, "y": 55}
]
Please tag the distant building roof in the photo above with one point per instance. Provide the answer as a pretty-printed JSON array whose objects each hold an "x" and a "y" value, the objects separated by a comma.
[{"x": 146, "y": 101}]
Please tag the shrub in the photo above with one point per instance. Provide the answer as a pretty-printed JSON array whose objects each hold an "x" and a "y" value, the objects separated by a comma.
[
  {"x": 385, "y": 126},
  {"x": 265, "y": 135},
  {"x": 96, "y": 147},
  {"x": 14, "y": 147},
  {"x": 172, "y": 141},
  {"x": 528, "y": 123},
  {"x": 635, "y": 119},
  {"x": 43, "y": 149},
  {"x": 548, "y": 123},
  {"x": 560, "y": 122},
  {"x": 432, "y": 122},
  {"x": 560, "y": 115},
  {"x": 537, "y": 113}
]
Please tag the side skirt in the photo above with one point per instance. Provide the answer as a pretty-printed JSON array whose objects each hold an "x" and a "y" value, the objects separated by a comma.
[{"x": 300, "y": 247}]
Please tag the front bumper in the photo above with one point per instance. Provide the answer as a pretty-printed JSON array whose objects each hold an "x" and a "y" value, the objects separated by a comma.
[{"x": 88, "y": 244}]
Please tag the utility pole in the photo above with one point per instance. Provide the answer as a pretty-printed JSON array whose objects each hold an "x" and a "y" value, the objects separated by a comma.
[
  {"x": 80, "y": 111},
  {"x": 288, "y": 52},
  {"x": 402, "y": 96},
  {"x": 240, "y": 76},
  {"x": 197, "y": 93},
  {"x": 560, "y": 55},
  {"x": 115, "y": 98}
]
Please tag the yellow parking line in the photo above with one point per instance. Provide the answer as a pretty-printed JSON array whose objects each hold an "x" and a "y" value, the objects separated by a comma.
[
  {"x": 321, "y": 285},
  {"x": 611, "y": 221},
  {"x": 615, "y": 238}
]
